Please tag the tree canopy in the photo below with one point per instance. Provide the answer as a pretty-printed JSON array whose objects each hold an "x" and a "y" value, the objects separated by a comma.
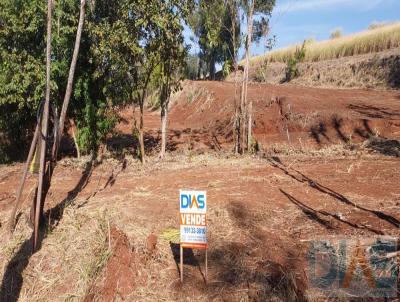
[{"x": 122, "y": 43}]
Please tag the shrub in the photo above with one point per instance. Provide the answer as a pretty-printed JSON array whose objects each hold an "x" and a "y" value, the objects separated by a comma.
[
  {"x": 254, "y": 146},
  {"x": 292, "y": 70},
  {"x": 261, "y": 72},
  {"x": 226, "y": 68},
  {"x": 337, "y": 33},
  {"x": 376, "y": 25}
]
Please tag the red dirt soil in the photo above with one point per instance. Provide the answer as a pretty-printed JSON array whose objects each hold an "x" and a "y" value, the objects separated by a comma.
[
  {"x": 117, "y": 279},
  {"x": 263, "y": 210},
  {"x": 201, "y": 116}
]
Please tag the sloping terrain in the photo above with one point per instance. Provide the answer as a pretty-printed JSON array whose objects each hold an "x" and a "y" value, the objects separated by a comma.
[
  {"x": 285, "y": 116},
  {"x": 110, "y": 219},
  {"x": 380, "y": 70}
]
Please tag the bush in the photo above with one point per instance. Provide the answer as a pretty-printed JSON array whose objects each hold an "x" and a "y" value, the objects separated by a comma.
[
  {"x": 254, "y": 146},
  {"x": 337, "y": 33},
  {"x": 292, "y": 70},
  {"x": 96, "y": 122},
  {"x": 376, "y": 25},
  {"x": 261, "y": 72},
  {"x": 226, "y": 68}
]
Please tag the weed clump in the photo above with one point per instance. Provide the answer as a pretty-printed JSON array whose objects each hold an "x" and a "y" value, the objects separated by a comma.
[{"x": 292, "y": 70}]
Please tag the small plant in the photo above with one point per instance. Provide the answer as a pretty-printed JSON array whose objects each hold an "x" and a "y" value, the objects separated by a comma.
[
  {"x": 376, "y": 25},
  {"x": 261, "y": 72},
  {"x": 254, "y": 146},
  {"x": 336, "y": 33},
  {"x": 292, "y": 70},
  {"x": 136, "y": 137},
  {"x": 226, "y": 68}
]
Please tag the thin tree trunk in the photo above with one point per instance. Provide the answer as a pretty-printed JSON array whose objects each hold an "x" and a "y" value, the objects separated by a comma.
[
  {"x": 246, "y": 74},
  {"x": 212, "y": 67},
  {"x": 41, "y": 197},
  {"x": 70, "y": 82},
  {"x": 78, "y": 151},
  {"x": 199, "y": 77},
  {"x": 23, "y": 180},
  {"x": 44, "y": 125},
  {"x": 141, "y": 125},
  {"x": 164, "y": 120},
  {"x": 236, "y": 107},
  {"x": 165, "y": 94}
]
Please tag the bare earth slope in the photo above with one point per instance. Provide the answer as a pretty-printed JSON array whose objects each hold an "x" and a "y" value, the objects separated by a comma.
[
  {"x": 108, "y": 220},
  {"x": 201, "y": 117}
]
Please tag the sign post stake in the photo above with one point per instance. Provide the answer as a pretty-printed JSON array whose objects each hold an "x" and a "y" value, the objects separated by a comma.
[
  {"x": 206, "y": 265},
  {"x": 181, "y": 254},
  {"x": 193, "y": 224}
]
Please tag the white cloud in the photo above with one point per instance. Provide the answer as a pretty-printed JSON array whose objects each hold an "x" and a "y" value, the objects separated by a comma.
[{"x": 315, "y": 5}]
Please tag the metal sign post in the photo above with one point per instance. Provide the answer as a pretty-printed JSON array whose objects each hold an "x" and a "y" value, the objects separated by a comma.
[{"x": 193, "y": 223}]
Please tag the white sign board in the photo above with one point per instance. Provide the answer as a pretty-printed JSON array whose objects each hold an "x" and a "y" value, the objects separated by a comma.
[{"x": 193, "y": 219}]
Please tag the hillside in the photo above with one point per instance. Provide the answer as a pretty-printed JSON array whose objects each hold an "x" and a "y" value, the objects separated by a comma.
[
  {"x": 113, "y": 223},
  {"x": 369, "y": 59},
  {"x": 369, "y": 41},
  {"x": 379, "y": 70}
]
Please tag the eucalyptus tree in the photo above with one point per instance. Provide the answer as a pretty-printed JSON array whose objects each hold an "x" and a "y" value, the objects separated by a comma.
[
  {"x": 211, "y": 23},
  {"x": 172, "y": 56},
  {"x": 256, "y": 28}
]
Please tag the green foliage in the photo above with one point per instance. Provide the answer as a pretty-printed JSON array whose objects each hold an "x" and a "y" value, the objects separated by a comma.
[
  {"x": 96, "y": 122},
  {"x": 261, "y": 72},
  {"x": 292, "y": 70},
  {"x": 122, "y": 45},
  {"x": 211, "y": 22},
  {"x": 337, "y": 33},
  {"x": 227, "y": 67},
  {"x": 192, "y": 67},
  {"x": 254, "y": 146}
]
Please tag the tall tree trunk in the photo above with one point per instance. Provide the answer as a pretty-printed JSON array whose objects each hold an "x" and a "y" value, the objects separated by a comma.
[
  {"x": 70, "y": 82},
  {"x": 199, "y": 69},
  {"x": 44, "y": 120},
  {"x": 236, "y": 104},
  {"x": 23, "y": 180},
  {"x": 55, "y": 149},
  {"x": 212, "y": 66},
  {"x": 246, "y": 75},
  {"x": 73, "y": 126},
  {"x": 141, "y": 125},
  {"x": 164, "y": 121},
  {"x": 165, "y": 94}
]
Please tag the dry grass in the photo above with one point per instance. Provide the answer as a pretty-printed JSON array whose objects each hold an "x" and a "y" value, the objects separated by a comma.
[
  {"x": 71, "y": 256},
  {"x": 370, "y": 41}
]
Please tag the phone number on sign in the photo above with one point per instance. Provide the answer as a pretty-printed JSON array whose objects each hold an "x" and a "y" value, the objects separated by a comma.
[{"x": 189, "y": 230}]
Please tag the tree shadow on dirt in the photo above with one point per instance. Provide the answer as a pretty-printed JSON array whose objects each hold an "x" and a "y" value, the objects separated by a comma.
[
  {"x": 337, "y": 125},
  {"x": 12, "y": 279},
  {"x": 121, "y": 143},
  {"x": 372, "y": 141},
  {"x": 374, "y": 112},
  {"x": 388, "y": 147},
  {"x": 109, "y": 183},
  {"x": 275, "y": 162},
  {"x": 319, "y": 131},
  {"x": 188, "y": 258},
  {"x": 315, "y": 216},
  {"x": 251, "y": 263}
]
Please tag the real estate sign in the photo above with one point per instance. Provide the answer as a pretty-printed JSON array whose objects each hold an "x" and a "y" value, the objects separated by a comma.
[{"x": 193, "y": 219}]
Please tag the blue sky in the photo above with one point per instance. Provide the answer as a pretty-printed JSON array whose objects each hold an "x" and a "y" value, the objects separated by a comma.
[{"x": 295, "y": 20}]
